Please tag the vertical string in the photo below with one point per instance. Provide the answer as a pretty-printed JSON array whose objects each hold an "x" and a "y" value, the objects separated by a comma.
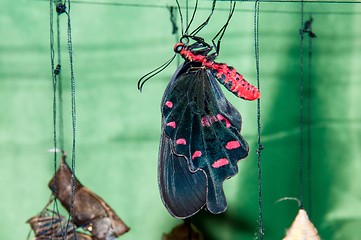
[
  {"x": 57, "y": 72},
  {"x": 260, "y": 147},
  {"x": 309, "y": 134},
  {"x": 301, "y": 83},
  {"x": 52, "y": 56},
  {"x": 187, "y": 8},
  {"x": 73, "y": 116},
  {"x": 54, "y": 76},
  {"x": 173, "y": 20}
]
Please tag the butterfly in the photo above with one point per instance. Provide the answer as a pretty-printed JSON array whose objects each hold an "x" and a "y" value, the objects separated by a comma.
[{"x": 200, "y": 142}]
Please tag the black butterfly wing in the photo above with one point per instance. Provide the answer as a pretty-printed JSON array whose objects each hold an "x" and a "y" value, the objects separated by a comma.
[
  {"x": 183, "y": 192},
  {"x": 201, "y": 133}
]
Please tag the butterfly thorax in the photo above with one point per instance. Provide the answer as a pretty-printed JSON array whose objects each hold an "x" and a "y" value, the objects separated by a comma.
[{"x": 191, "y": 56}]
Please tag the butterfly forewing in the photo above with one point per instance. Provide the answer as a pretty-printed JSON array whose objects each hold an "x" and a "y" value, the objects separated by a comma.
[{"x": 203, "y": 130}]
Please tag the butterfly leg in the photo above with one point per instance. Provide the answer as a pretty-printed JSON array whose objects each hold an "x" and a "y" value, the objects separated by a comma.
[{"x": 223, "y": 29}]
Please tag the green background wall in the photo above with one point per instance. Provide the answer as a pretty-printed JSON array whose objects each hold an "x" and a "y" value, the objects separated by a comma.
[{"x": 118, "y": 129}]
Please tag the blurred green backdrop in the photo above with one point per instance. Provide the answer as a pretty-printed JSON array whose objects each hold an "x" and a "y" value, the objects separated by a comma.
[{"x": 118, "y": 129}]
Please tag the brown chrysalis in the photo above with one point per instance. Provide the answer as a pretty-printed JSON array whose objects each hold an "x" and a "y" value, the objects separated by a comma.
[
  {"x": 49, "y": 225},
  {"x": 89, "y": 211},
  {"x": 302, "y": 228},
  {"x": 46, "y": 226}
]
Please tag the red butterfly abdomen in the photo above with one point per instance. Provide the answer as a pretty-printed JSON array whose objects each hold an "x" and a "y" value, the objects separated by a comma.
[{"x": 234, "y": 81}]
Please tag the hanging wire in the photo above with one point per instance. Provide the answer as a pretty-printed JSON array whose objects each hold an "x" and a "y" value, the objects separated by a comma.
[
  {"x": 58, "y": 74},
  {"x": 309, "y": 160},
  {"x": 309, "y": 132},
  {"x": 62, "y": 8},
  {"x": 250, "y": 1},
  {"x": 306, "y": 27},
  {"x": 140, "y": 5},
  {"x": 173, "y": 20},
  {"x": 301, "y": 83},
  {"x": 53, "y": 76},
  {"x": 260, "y": 147},
  {"x": 73, "y": 116},
  {"x": 55, "y": 73},
  {"x": 187, "y": 17}
]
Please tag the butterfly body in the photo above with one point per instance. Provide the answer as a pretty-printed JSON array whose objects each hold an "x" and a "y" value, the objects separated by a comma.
[{"x": 226, "y": 75}]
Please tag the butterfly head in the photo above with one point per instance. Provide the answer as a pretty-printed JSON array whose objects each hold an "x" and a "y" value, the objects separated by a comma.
[{"x": 179, "y": 47}]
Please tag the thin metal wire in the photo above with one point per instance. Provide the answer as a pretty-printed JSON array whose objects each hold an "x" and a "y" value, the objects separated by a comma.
[{"x": 260, "y": 147}]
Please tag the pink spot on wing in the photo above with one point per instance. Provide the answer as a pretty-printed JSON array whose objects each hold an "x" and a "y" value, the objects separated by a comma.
[
  {"x": 181, "y": 141},
  {"x": 196, "y": 154},
  {"x": 169, "y": 104},
  {"x": 220, "y": 162},
  {"x": 220, "y": 118},
  {"x": 232, "y": 145},
  {"x": 208, "y": 120},
  {"x": 172, "y": 124}
]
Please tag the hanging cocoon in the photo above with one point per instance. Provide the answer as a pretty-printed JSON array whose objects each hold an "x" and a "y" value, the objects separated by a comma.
[{"x": 302, "y": 228}]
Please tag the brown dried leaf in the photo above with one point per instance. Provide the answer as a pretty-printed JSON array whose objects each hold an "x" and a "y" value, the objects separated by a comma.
[
  {"x": 182, "y": 232},
  {"x": 302, "y": 228},
  {"x": 90, "y": 211}
]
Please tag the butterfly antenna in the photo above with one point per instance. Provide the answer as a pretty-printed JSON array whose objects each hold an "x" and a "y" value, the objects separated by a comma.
[
  {"x": 181, "y": 16},
  {"x": 195, "y": 31},
  {"x": 151, "y": 74},
  {"x": 194, "y": 13},
  {"x": 223, "y": 29}
]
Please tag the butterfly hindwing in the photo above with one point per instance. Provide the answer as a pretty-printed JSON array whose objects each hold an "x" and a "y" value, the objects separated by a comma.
[
  {"x": 183, "y": 192},
  {"x": 203, "y": 131}
]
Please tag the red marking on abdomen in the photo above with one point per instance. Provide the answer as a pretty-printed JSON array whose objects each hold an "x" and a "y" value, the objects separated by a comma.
[
  {"x": 196, "y": 154},
  {"x": 220, "y": 118},
  {"x": 239, "y": 85},
  {"x": 220, "y": 162},
  {"x": 181, "y": 141},
  {"x": 172, "y": 124},
  {"x": 245, "y": 90},
  {"x": 169, "y": 104},
  {"x": 232, "y": 145}
]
